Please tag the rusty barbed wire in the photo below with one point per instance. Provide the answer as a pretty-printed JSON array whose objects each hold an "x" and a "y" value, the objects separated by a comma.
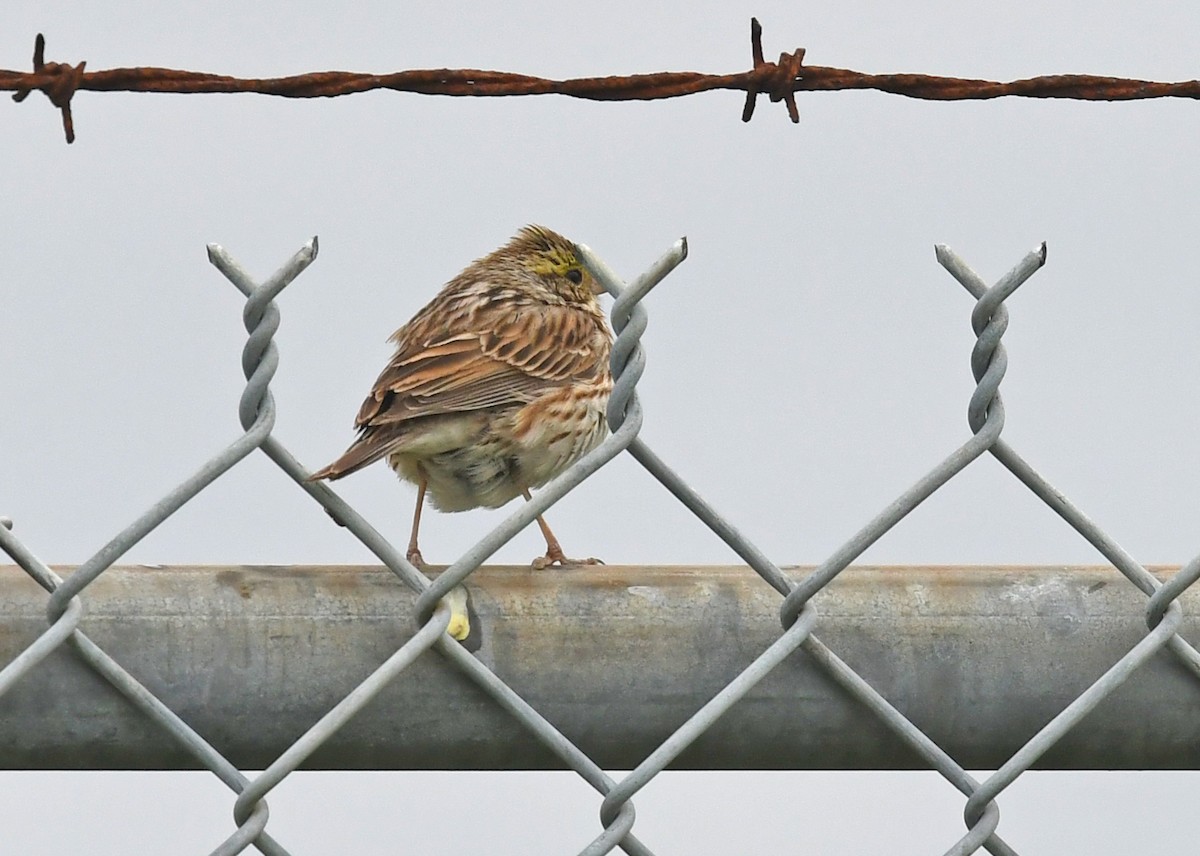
[
  {"x": 62, "y": 81},
  {"x": 779, "y": 80}
]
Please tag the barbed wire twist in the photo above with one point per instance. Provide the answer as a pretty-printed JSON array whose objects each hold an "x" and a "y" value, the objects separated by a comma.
[
  {"x": 779, "y": 80},
  {"x": 59, "y": 83}
]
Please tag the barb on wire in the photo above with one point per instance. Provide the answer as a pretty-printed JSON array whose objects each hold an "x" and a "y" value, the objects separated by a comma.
[
  {"x": 61, "y": 81},
  {"x": 779, "y": 80}
]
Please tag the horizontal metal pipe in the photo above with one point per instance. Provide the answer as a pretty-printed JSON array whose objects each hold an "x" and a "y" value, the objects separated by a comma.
[{"x": 615, "y": 657}]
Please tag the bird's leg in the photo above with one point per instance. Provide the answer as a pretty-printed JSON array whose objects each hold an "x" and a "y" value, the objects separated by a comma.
[
  {"x": 414, "y": 553},
  {"x": 554, "y": 551}
]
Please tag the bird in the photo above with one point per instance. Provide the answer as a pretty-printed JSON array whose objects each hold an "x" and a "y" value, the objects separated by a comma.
[{"x": 496, "y": 386}]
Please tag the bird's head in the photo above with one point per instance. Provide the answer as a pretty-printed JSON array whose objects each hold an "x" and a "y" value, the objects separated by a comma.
[{"x": 549, "y": 263}]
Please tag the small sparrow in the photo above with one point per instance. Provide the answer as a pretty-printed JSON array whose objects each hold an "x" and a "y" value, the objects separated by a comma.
[{"x": 497, "y": 385}]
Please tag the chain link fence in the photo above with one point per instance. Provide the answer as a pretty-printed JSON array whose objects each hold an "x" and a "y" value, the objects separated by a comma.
[{"x": 437, "y": 597}]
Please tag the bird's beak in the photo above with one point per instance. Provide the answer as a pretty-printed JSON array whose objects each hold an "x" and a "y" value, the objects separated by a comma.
[{"x": 597, "y": 288}]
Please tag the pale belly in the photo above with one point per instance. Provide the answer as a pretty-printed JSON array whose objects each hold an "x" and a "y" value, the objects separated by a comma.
[{"x": 506, "y": 453}]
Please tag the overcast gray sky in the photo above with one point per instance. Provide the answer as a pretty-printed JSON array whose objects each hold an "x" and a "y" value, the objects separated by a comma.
[{"x": 806, "y": 363}]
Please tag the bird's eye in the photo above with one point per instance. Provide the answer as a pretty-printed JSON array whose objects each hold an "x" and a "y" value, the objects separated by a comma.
[{"x": 575, "y": 275}]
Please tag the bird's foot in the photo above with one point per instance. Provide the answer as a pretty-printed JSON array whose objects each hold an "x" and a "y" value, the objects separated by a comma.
[
  {"x": 556, "y": 558},
  {"x": 415, "y": 558}
]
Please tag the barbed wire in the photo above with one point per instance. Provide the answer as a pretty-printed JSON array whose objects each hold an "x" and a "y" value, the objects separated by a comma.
[{"x": 779, "y": 80}]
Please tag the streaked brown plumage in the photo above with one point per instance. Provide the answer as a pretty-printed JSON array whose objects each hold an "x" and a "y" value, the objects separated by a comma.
[{"x": 497, "y": 385}]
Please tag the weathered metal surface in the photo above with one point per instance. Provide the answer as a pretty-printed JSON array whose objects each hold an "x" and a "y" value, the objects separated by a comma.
[{"x": 615, "y": 657}]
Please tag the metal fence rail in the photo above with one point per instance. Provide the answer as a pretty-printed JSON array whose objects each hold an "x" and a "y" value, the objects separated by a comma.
[
  {"x": 616, "y": 657},
  {"x": 798, "y": 614}
]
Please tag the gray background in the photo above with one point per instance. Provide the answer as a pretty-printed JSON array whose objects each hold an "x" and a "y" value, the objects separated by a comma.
[{"x": 806, "y": 364}]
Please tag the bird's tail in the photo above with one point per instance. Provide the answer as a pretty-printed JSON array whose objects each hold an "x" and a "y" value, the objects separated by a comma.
[{"x": 367, "y": 449}]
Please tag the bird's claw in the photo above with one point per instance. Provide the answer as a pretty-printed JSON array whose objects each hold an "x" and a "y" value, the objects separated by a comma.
[{"x": 562, "y": 561}]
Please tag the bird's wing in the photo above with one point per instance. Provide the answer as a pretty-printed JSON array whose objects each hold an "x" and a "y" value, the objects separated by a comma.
[
  {"x": 517, "y": 357},
  {"x": 521, "y": 355}
]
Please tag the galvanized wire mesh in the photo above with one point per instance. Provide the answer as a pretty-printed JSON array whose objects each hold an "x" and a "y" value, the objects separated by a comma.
[{"x": 798, "y": 616}]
